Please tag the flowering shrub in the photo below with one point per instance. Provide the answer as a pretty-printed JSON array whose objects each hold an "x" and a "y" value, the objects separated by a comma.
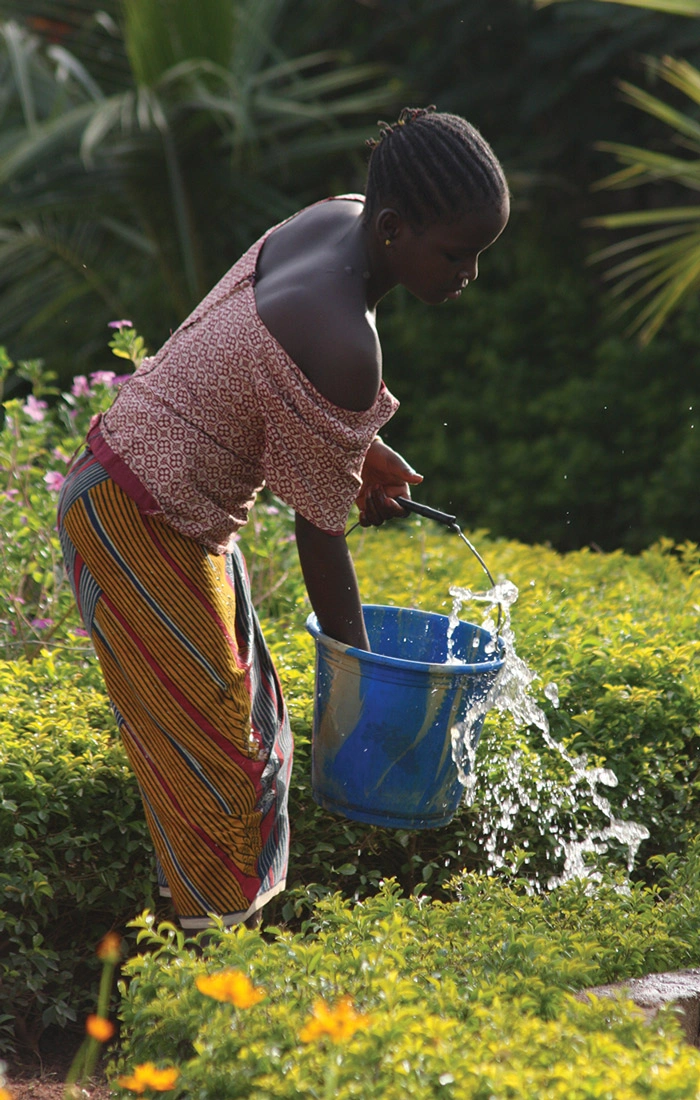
[
  {"x": 147, "y": 1077},
  {"x": 36, "y": 445},
  {"x": 401, "y": 998},
  {"x": 76, "y": 857},
  {"x": 619, "y": 635},
  {"x": 231, "y": 986}
]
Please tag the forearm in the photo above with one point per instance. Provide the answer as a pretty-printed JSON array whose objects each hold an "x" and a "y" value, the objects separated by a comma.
[{"x": 329, "y": 575}]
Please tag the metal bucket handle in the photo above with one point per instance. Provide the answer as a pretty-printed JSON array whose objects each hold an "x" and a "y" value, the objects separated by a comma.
[{"x": 450, "y": 522}]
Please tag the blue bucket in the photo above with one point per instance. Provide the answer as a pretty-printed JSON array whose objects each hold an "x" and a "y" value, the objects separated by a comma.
[{"x": 382, "y": 748}]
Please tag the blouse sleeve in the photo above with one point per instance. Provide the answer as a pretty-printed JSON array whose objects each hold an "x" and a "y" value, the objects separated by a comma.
[{"x": 314, "y": 450}]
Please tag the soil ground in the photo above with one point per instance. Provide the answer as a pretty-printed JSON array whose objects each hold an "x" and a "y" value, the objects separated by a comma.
[
  {"x": 42, "y": 1077},
  {"x": 50, "y": 1087}
]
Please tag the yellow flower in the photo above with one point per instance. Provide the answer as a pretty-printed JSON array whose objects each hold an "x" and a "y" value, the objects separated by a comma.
[
  {"x": 99, "y": 1028},
  {"x": 108, "y": 948},
  {"x": 230, "y": 985},
  {"x": 5, "y": 1095},
  {"x": 338, "y": 1023},
  {"x": 148, "y": 1076}
]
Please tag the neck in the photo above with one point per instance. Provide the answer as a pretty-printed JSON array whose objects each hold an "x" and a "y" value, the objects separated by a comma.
[{"x": 371, "y": 261}]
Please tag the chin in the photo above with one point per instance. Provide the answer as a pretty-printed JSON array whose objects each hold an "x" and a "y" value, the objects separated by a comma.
[{"x": 430, "y": 298}]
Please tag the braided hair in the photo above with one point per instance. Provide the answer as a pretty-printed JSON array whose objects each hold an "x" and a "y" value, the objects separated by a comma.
[{"x": 431, "y": 166}]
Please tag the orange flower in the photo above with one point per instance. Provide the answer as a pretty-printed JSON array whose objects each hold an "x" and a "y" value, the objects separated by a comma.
[
  {"x": 338, "y": 1023},
  {"x": 230, "y": 985},
  {"x": 5, "y": 1095},
  {"x": 109, "y": 947},
  {"x": 148, "y": 1076},
  {"x": 99, "y": 1028}
]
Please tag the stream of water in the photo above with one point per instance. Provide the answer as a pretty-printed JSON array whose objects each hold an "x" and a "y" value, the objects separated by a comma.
[{"x": 557, "y": 806}]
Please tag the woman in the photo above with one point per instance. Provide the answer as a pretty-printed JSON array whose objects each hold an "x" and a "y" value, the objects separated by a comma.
[{"x": 275, "y": 378}]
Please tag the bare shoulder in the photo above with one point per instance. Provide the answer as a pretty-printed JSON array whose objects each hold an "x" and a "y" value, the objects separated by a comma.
[
  {"x": 311, "y": 297},
  {"x": 336, "y": 347}
]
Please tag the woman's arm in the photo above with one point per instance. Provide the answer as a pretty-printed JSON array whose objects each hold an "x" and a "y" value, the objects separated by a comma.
[{"x": 329, "y": 575}]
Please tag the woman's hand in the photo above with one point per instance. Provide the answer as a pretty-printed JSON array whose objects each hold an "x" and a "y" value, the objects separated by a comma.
[{"x": 385, "y": 475}]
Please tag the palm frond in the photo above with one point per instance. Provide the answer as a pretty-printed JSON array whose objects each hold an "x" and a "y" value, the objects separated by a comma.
[
  {"x": 159, "y": 35},
  {"x": 682, "y": 279},
  {"x": 202, "y": 128},
  {"x": 663, "y": 276},
  {"x": 646, "y": 217},
  {"x": 642, "y": 266},
  {"x": 20, "y": 48},
  {"x": 69, "y": 65},
  {"x": 649, "y": 167},
  {"x": 679, "y": 74},
  {"x": 652, "y": 105},
  {"x": 43, "y": 141},
  {"x": 670, "y": 7},
  {"x": 667, "y": 263},
  {"x": 639, "y": 241}
]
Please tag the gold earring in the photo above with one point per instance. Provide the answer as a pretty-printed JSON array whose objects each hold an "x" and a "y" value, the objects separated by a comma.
[{"x": 387, "y": 241}]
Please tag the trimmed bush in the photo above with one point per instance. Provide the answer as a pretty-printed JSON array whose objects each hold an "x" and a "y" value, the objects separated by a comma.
[
  {"x": 617, "y": 634},
  {"x": 76, "y": 855},
  {"x": 471, "y": 999}
]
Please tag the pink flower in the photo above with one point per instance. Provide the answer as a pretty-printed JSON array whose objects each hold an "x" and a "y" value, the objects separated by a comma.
[
  {"x": 41, "y": 624},
  {"x": 35, "y": 409},
  {"x": 102, "y": 377},
  {"x": 119, "y": 325},
  {"x": 271, "y": 510},
  {"x": 10, "y": 494},
  {"x": 54, "y": 480},
  {"x": 80, "y": 387},
  {"x": 80, "y": 632},
  {"x": 59, "y": 455}
]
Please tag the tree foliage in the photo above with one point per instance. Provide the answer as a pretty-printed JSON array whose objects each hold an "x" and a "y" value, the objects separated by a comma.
[
  {"x": 139, "y": 197},
  {"x": 130, "y": 198}
]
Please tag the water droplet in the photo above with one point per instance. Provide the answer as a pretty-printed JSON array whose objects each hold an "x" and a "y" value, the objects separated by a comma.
[{"x": 551, "y": 692}]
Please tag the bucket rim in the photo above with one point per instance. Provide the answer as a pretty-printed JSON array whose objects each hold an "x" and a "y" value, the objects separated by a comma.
[{"x": 379, "y": 659}]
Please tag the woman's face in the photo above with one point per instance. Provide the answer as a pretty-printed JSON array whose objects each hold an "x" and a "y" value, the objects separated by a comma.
[{"x": 438, "y": 262}]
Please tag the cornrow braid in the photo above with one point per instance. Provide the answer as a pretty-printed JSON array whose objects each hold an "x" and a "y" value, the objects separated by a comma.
[{"x": 431, "y": 165}]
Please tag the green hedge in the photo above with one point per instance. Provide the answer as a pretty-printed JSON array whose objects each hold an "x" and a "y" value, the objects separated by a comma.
[
  {"x": 618, "y": 634},
  {"x": 471, "y": 999},
  {"x": 76, "y": 860}
]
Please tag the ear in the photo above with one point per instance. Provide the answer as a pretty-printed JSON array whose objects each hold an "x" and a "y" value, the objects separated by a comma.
[{"x": 388, "y": 224}]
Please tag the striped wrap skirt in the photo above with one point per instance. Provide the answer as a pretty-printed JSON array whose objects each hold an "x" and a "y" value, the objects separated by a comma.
[{"x": 195, "y": 694}]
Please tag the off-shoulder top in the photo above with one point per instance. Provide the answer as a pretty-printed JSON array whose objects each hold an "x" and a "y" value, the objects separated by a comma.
[{"x": 222, "y": 410}]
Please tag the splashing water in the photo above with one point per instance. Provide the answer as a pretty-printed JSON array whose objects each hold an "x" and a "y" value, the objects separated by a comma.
[{"x": 526, "y": 786}]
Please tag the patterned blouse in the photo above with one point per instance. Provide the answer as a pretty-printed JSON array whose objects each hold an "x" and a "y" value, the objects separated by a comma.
[{"x": 222, "y": 410}]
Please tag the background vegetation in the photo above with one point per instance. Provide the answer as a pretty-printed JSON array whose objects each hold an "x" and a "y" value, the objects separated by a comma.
[
  {"x": 617, "y": 635},
  {"x": 140, "y": 154},
  {"x": 140, "y": 151}
]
